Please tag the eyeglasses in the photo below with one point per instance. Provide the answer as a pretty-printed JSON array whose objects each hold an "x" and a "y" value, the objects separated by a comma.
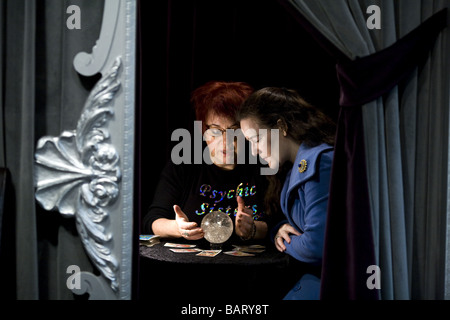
[{"x": 214, "y": 131}]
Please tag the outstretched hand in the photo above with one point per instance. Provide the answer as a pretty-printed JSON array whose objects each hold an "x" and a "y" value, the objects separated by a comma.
[{"x": 188, "y": 230}]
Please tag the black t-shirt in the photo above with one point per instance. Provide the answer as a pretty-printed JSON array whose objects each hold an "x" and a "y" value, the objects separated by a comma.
[{"x": 201, "y": 188}]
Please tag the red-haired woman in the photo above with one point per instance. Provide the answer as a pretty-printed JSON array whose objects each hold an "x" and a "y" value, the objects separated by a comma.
[{"x": 186, "y": 192}]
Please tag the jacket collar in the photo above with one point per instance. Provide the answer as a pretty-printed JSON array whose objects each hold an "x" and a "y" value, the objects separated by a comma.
[{"x": 305, "y": 165}]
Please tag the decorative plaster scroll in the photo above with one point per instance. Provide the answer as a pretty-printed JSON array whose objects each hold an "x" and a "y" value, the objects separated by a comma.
[
  {"x": 78, "y": 174},
  {"x": 87, "y": 173},
  {"x": 89, "y": 281},
  {"x": 90, "y": 64}
]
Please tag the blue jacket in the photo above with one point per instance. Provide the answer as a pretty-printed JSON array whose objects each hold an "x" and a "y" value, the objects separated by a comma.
[{"x": 304, "y": 200}]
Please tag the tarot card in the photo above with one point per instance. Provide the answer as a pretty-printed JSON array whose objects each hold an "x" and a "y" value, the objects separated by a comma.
[
  {"x": 253, "y": 246},
  {"x": 209, "y": 253},
  {"x": 250, "y": 249},
  {"x": 179, "y": 245},
  {"x": 147, "y": 237},
  {"x": 184, "y": 250},
  {"x": 257, "y": 246},
  {"x": 239, "y": 254},
  {"x": 150, "y": 244},
  {"x": 148, "y": 240}
]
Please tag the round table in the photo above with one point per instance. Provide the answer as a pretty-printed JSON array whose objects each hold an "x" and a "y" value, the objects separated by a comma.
[
  {"x": 164, "y": 274},
  {"x": 270, "y": 256}
]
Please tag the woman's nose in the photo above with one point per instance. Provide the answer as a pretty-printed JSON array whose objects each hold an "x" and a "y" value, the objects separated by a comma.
[{"x": 255, "y": 150}]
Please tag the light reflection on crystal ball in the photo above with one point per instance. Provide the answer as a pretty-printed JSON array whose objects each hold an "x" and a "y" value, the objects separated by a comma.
[{"x": 217, "y": 226}]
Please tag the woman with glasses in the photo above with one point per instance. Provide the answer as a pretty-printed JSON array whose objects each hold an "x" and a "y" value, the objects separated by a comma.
[
  {"x": 304, "y": 153},
  {"x": 187, "y": 192}
]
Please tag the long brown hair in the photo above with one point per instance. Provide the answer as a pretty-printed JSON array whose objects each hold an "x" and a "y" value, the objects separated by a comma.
[{"x": 303, "y": 123}]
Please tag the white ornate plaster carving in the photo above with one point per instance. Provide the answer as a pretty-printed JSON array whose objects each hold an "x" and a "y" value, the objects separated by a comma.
[
  {"x": 88, "y": 64},
  {"x": 87, "y": 173},
  {"x": 78, "y": 174},
  {"x": 89, "y": 281}
]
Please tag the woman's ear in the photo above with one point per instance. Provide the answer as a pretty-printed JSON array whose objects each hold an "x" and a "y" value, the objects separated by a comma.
[{"x": 282, "y": 126}]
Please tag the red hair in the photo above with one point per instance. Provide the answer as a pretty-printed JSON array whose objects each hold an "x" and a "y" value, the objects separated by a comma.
[{"x": 220, "y": 97}]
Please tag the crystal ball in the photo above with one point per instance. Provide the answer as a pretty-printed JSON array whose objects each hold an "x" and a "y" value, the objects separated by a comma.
[{"x": 217, "y": 227}]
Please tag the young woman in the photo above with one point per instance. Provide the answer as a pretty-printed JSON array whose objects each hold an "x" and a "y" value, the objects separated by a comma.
[
  {"x": 187, "y": 192},
  {"x": 303, "y": 152}
]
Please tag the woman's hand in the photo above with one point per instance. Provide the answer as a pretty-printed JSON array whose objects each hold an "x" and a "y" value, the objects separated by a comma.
[
  {"x": 244, "y": 220},
  {"x": 283, "y": 234},
  {"x": 188, "y": 230}
]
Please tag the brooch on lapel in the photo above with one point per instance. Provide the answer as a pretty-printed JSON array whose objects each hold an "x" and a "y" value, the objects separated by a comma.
[{"x": 302, "y": 166}]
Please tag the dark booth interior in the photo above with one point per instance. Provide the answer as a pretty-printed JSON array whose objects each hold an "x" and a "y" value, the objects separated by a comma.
[{"x": 184, "y": 43}]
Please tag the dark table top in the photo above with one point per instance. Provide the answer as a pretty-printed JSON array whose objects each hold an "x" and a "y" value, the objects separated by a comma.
[
  {"x": 159, "y": 252},
  {"x": 264, "y": 276}
]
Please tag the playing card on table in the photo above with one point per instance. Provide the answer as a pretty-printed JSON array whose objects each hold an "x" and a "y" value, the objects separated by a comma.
[
  {"x": 147, "y": 237},
  {"x": 208, "y": 253},
  {"x": 179, "y": 245},
  {"x": 148, "y": 240},
  {"x": 256, "y": 248},
  {"x": 239, "y": 254},
  {"x": 149, "y": 245},
  {"x": 184, "y": 250}
]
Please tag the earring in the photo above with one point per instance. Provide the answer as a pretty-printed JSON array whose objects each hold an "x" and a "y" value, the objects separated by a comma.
[{"x": 284, "y": 133}]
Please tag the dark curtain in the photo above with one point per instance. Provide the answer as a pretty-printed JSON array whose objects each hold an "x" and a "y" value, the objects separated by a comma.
[
  {"x": 187, "y": 43},
  {"x": 350, "y": 247},
  {"x": 41, "y": 94}
]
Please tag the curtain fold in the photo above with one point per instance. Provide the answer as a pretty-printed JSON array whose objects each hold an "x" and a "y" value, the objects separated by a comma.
[
  {"x": 406, "y": 197},
  {"x": 41, "y": 95},
  {"x": 2, "y": 72},
  {"x": 18, "y": 125},
  {"x": 365, "y": 79}
]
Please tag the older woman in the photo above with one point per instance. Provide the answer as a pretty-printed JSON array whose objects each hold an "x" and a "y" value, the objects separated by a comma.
[{"x": 186, "y": 192}]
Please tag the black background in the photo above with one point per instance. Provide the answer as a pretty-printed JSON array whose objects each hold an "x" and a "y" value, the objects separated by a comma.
[{"x": 185, "y": 43}]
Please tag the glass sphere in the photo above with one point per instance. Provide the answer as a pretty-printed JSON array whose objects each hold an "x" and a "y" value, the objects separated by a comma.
[{"x": 217, "y": 227}]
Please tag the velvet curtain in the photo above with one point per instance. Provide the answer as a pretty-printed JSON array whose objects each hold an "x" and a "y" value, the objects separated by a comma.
[
  {"x": 17, "y": 99},
  {"x": 389, "y": 182},
  {"x": 41, "y": 94}
]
